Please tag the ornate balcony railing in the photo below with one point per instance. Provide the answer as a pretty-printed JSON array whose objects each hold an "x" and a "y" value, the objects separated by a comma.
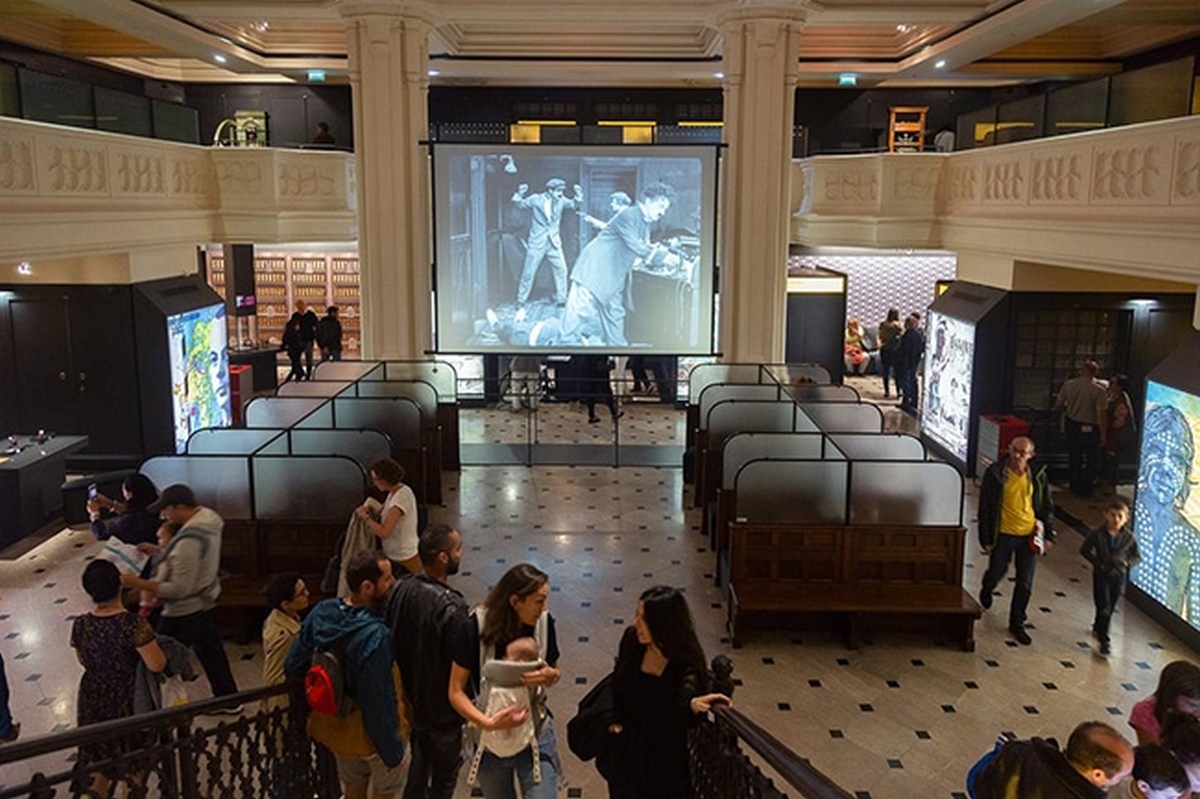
[
  {"x": 181, "y": 753},
  {"x": 722, "y": 768}
]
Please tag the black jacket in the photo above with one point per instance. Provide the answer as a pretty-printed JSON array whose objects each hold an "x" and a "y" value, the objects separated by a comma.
[
  {"x": 308, "y": 325},
  {"x": 1107, "y": 559},
  {"x": 1032, "y": 769},
  {"x": 426, "y": 617},
  {"x": 329, "y": 333},
  {"x": 991, "y": 489}
]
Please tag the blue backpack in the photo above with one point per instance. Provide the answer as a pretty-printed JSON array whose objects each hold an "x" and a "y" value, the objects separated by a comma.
[{"x": 982, "y": 762}]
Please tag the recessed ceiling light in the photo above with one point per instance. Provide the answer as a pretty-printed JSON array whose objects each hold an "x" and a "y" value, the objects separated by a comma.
[
  {"x": 24, "y": 268},
  {"x": 433, "y": 73},
  {"x": 718, "y": 75},
  {"x": 905, "y": 28},
  {"x": 939, "y": 64},
  {"x": 220, "y": 59}
]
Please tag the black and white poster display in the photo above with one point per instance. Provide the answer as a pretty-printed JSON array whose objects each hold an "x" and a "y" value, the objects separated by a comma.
[
  {"x": 949, "y": 365},
  {"x": 574, "y": 248}
]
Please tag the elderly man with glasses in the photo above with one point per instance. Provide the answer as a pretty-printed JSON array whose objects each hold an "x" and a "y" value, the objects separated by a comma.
[{"x": 1016, "y": 523}]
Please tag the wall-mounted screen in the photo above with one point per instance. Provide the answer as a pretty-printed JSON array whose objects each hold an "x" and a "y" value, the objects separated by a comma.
[
  {"x": 199, "y": 371},
  {"x": 1167, "y": 512},
  {"x": 569, "y": 248},
  {"x": 949, "y": 365}
]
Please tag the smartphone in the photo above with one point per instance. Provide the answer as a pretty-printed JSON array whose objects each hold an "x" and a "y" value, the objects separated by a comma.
[{"x": 92, "y": 491}]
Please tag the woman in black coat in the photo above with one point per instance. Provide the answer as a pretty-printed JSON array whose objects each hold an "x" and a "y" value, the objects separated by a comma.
[{"x": 660, "y": 686}]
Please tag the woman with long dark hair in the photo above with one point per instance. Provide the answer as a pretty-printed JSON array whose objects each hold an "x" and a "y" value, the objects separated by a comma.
[
  {"x": 514, "y": 608},
  {"x": 133, "y": 523},
  {"x": 660, "y": 686}
]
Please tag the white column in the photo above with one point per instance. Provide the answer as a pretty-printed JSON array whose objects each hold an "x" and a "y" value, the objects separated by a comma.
[
  {"x": 389, "y": 52},
  {"x": 760, "y": 52}
]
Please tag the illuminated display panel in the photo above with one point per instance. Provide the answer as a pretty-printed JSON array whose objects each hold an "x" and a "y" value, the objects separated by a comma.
[
  {"x": 199, "y": 351},
  {"x": 949, "y": 366}
]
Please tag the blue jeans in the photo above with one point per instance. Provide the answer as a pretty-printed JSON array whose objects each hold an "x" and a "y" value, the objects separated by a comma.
[
  {"x": 6, "y": 722},
  {"x": 496, "y": 773}
]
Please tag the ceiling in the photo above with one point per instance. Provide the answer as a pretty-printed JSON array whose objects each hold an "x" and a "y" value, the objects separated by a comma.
[{"x": 622, "y": 42}]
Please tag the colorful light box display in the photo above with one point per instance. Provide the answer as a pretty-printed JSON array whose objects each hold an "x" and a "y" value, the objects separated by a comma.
[
  {"x": 199, "y": 371},
  {"x": 949, "y": 367}
]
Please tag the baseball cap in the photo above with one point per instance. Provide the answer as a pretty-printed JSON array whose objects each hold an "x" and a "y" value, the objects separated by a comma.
[{"x": 177, "y": 494}]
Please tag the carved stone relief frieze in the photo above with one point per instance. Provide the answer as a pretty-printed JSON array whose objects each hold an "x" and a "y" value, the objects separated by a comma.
[
  {"x": 305, "y": 180},
  {"x": 1057, "y": 179},
  {"x": 1186, "y": 185},
  {"x": 1129, "y": 174},
  {"x": 850, "y": 185},
  {"x": 139, "y": 173},
  {"x": 191, "y": 177},
  {"x": 962, "y": 185},
  {"x": 1004, "y": 181},
  {"x": 241, "y": 179},
  {"x": 76, "y": 170},
  {"x": 916, "y": 184},
  {"x": 16, "y": 165}
]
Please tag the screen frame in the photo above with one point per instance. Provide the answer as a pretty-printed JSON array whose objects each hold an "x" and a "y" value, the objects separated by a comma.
[
  {"x": 933, "y": 431},
  {"x": 182, "y": 425},
  {"x": 709, "y": 267}
]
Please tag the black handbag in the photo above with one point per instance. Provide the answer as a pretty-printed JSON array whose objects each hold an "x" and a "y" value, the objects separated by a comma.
[{"x": 587, "y": 732}]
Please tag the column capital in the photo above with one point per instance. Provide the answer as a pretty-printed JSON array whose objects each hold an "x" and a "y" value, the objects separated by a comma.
[
  {"x": 408, "y": 10},
  {"x": 741, "y": 11}
]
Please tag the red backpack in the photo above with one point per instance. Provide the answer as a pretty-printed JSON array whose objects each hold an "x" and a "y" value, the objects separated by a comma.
[{"x": 325, "y": 683}]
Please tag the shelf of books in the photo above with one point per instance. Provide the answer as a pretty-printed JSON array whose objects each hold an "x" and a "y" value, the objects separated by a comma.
[{"x": 320, "y": 279}]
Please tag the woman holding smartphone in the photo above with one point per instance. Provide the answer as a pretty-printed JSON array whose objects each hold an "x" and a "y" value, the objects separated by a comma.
[{"x": 132, "y": 522}]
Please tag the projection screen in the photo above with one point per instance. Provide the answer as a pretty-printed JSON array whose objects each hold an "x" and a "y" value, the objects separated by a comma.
[{"x": 568, "y": 249}]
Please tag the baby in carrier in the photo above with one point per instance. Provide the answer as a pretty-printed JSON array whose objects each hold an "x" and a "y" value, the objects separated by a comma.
[{"x": 502, "y": 688}]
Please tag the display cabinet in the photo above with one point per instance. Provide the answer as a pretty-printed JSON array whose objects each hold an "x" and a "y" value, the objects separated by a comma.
[
  {"x": 320, "y": 279},
  {"x": 906, "y": 128}
]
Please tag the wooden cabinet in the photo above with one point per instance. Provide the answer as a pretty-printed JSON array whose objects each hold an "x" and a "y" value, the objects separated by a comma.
[
  {"x": 906, "y": 128},
  {"x": 320, "y": 279}
]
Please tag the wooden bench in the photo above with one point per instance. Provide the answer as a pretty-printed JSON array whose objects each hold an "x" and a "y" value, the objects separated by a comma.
[
  {"x": 252, "y": 551},
  {"x": 900, "y": 577}
]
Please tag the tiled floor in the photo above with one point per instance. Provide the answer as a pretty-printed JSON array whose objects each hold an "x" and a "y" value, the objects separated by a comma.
[{"x": 904, "y": 716}]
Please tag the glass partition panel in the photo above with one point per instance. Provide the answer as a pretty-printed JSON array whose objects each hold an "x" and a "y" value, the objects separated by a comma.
[
  {"x": 798, "y": 492},
  {"x": 749, "y": 416},
  {"x": 719, "y": 392},
  {"x": 879, "y": 446},
  {"x": 309, "y": 487},
  {"x": 439, "y": 374},
  {"x": 364, "y": 446},
  {"x": 397, "y": 417},
  {"x": 741, "y": 448},
  {"x": 219, "y": 482},
  {"x": 815, "y": 392},
  {"x": 905, "y": 493},
  {"x": 706, "y": 374},
  {"x": 175, "y": 122},
  {"x": 1077, "y": 108},
  {"x": 121, "y": 112},
  {"x": 276, "y": 446},
  {"x": 10, "y": 100},
  {"x": 349, "y": 370},
  {"x": 320, "y": 417},
  {"x": 799, "y": 373},
  {"x": 279, "y": 412},
  {"x": 844, "y": 417},
  {"x": 976, "y": 129},
  {"x": 1158, "y": 92},
  {"x": 313, "y": 388},
  {"x": 214, "y": 441},
  {"x": 1021, "y": 120},
  {"x": 49, "y": 98},
  {"x": 420, "y": 392}
]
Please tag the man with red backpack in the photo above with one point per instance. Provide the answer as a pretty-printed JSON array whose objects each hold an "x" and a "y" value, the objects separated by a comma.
[{"x": 345, "y": 646}]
